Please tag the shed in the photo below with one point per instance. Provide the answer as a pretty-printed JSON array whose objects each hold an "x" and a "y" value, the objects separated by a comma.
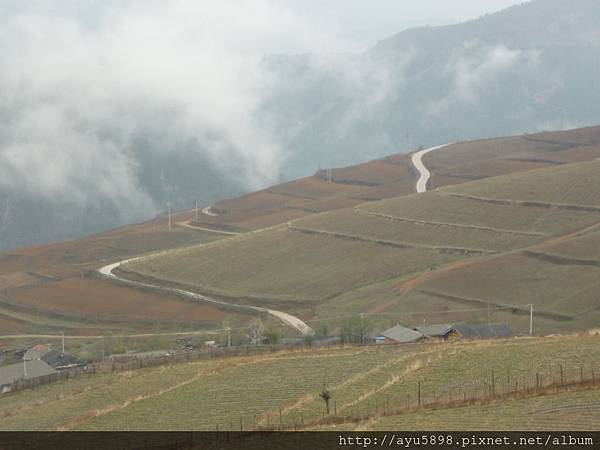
[
  {"x": 26, "y": 370},
  {"x": 482, "y": 331},
  {"x": 399, "y": 335},
  {"x": 54, "y": 358},
  {"x": 59, "y": 360},
  {"x": 442, "y": 331}
]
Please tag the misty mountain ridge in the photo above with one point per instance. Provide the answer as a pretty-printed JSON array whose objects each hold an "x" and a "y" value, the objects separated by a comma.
[{"x": 525, "y": 69}]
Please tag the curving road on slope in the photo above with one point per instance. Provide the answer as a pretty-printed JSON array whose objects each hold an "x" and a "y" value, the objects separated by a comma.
[
  {"x": 288, "y": 319},
  {"x": 207, "y": 211},
  {"x": 424, "y": 174}
]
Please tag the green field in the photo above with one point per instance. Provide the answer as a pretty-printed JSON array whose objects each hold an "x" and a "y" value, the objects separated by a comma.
[
  {"x": 355, "y": 260},
  {"x": 287, "y": 265},
  {"x": 585, "y": 247},
  {"x": 435, "y": 207},
  {"x": 358, "y": 222},
  {"x": 254, "y": 391},
  {"x": 570, "y": 184},
  {"x": 573, "y": 411}
]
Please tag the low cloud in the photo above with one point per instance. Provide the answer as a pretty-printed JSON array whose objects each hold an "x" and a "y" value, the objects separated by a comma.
[{"x": 81, "y": 87}]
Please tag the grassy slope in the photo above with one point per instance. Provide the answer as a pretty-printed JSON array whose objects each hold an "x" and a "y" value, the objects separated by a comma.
[
  {"x": 286, "y": 265},
  {"x": 576, "y": 411},
  {"x": 346, "y": 260},
  {"x": 202, "y": 395}
]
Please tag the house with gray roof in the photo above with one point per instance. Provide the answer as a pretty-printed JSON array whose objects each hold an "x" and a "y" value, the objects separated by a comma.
[
  {"x": 54, "y": 358},
  {"x": 399, "y": 335},
  {"x": 441, "y": 331},
  {"x": 25, "y": 370}
]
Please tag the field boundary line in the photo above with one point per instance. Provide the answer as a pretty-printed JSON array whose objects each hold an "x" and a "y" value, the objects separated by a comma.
[
  {"x": 447, "y": 224},
  {"x": 401, "y": 245},
  {"x": 526, "y": 203}
]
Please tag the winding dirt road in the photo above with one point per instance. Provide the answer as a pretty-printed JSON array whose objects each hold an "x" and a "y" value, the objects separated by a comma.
[
  {"x": 288, "y": 319},
  {"x": 206, "y": 211},
  {"x": 416, "y": 159}
]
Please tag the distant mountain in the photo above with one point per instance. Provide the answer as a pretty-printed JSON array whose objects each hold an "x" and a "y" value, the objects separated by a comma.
[{"x": 528, "y": 68}]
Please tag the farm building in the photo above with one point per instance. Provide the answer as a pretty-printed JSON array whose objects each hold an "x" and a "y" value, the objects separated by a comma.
[
  {"x": 440, "y": 331},
  {"x": 483, "y": 331},
  {"x": 399, "y": 335},
  {"x": 55, "y": 359},
  {"x": 26, "y": 370}
]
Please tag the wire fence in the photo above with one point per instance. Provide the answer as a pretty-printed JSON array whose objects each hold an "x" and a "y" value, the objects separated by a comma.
[
  {"x": 559, "y": 377},
  {"x": 135, "y": 362}
]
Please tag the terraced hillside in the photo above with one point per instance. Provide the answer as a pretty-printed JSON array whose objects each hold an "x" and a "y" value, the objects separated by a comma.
[
  {"x": 394, "y": 176},
  {"x": 475, "y": 245},
  {"x": 50, "y": 288},
  {"x": 282, "y": 389}
]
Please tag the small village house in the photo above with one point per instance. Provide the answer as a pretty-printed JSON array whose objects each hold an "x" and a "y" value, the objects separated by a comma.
[{"x": 399, "y": 335}]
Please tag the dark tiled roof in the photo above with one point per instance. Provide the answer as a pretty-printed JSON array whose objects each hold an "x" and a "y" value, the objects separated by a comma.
[
  {"x": 58, "y": 359},
  {"x": 435, "y": 330},
  {"x": 402, "y": 334}
]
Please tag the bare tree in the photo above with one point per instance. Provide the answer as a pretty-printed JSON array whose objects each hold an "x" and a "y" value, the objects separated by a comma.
[
  {"x": 256, "y": 331},
  {"x": 325, "y": 394}
]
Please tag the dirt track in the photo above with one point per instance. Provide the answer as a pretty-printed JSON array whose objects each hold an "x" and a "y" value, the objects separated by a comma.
[{"x": 288, "y": 319}]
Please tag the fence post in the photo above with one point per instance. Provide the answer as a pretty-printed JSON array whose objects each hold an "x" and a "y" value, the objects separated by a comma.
[
  {"x": 419, "y": 394},
  {"x": 562, "y": 376},
  {"x": 581, "y": 373}
]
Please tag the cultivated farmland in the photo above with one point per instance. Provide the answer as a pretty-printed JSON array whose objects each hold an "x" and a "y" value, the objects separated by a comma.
[
  {"x": 574, "y": 411},
  {"x": 283, "y": 264},
  {"x": 271, "y": 390}
]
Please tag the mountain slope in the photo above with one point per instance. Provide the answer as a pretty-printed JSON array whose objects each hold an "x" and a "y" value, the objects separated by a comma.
[
  {"x": 323, "y": 263},
  {"x": 525, "y": 69}
]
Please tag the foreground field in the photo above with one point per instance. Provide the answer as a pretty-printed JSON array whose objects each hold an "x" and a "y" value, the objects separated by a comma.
[
  {"x": 576, "y": 411},
  {"x": 282, "y": 389}
]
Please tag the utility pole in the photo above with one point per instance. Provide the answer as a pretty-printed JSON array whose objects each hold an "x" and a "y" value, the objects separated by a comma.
[
  {"x": 169, "y": 209},
  {"x": 24, "y": 367},
  {"x": 362, "y": 329},
  {"x": 228, "y": 337},
  {"x": 329, "y": 175},
  {"x": 63, "y": 341},
  {"x": 197, "y": 211},
  {"x": 530, "y": 320}
]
